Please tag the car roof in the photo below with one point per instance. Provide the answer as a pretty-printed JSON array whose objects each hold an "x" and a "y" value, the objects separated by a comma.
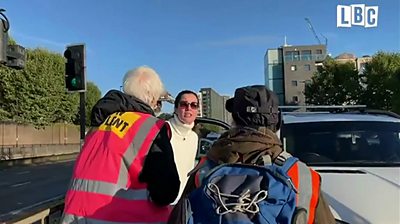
[{"x": 306, "y": 117}]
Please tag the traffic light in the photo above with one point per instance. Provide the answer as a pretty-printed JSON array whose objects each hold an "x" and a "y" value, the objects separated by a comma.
[
  {"x": 75, "y": 77},
  {"x": 4, "y": 26}
]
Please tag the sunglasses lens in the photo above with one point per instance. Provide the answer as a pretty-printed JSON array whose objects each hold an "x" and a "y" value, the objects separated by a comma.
[
  {"x": 192, "y": 105},
  {"x": 183, "y": 104}
]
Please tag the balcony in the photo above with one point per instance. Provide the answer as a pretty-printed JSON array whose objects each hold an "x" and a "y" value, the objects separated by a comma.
[{"x": 309, "y": 57}]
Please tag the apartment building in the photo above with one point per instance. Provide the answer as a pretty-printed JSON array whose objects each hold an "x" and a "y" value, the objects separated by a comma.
[
  {"x": 289, "y": 68},
  {"x": 213, "y": 104}
]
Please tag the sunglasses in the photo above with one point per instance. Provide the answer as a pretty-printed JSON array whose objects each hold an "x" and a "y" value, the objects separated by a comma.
[{"x": 185, "y": 104}]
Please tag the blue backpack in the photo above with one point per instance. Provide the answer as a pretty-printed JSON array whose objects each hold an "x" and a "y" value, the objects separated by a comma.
[{"x": 243, "y": 194}]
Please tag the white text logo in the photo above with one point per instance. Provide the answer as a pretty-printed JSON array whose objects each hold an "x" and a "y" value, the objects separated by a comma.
[{"x": 357, "y": 15}]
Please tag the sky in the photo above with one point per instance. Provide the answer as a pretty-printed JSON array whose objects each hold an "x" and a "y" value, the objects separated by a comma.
[{"x": 193, "y": 44}]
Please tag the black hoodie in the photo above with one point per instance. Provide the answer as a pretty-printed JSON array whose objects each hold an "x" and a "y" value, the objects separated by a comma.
[{"x": 159, "y": 170}]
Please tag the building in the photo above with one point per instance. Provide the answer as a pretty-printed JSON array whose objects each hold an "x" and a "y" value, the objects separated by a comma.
[
  {"x": 213, "y": 105},
  {"x": 227, "y": 116},
  {"x": 359, "y": 63},
  {"x": 289, "y": 68},
  {"x": 200, "y": 107}
]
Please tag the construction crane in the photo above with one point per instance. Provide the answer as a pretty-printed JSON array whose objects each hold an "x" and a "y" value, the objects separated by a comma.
[{"x": 315, "y": 34}]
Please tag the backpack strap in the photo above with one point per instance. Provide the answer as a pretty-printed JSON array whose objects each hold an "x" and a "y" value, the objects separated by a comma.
[
  {"x": 282, "y": 157},
  {"x": 202, "y": 169},
  {"x": 286, "y": 161}
]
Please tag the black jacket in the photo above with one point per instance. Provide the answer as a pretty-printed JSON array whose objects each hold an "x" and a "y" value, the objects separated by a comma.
[{"x": 159, "y": 170}]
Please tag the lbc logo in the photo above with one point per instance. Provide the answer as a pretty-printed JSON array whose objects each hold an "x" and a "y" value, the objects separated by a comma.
[{"x": 357, "y": 15}]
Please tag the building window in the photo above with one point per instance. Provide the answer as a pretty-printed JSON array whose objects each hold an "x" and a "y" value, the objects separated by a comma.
[
  {"x": 307, "y": 67},
  {"x": 293, "y": 67},
  {"x": 295, "y": 99},
  {"x": 292, "y": 55},
  {"x": 294, "y": 83},
  {"x": 318, "y": 51},
  {"x": 306, "y": 55}
]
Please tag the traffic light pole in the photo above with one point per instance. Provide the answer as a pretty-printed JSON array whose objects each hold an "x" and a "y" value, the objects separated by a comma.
[
  {"x": 75, "y": 80},
  {"x": 82, "y": 116}
]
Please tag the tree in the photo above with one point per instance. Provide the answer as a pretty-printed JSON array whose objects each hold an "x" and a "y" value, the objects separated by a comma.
[
  {"x": 92, "y": 95},
  {"x": 165, "y": 116},
  {"x": 382, "y": 81},
  {"x": 334, "y": 84},
  {"x": 11, "y": 41},
  {"x": 36, "y": 94}
]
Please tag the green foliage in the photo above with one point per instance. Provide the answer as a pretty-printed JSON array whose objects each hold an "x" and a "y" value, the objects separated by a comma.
[
  {"x": 36, "y": 95},
  {"x": 378, "y": 87},
  {"x": 165, "y": 116},
  {"x": 382, "y": 81},
  {"x": 92, "y": 95},
  {"x": 212, "y": 128},
  {"x": 334, "y": 84},
  {"x": 11, "y": 41}
]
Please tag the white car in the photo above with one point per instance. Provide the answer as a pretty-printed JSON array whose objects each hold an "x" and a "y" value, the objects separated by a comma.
[
  {"x": 358, "y": 157},
  {"x": 357, "y": 154}
]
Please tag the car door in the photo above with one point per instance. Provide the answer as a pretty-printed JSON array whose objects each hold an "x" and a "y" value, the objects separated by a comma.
[{"x": 208, "y": 130}]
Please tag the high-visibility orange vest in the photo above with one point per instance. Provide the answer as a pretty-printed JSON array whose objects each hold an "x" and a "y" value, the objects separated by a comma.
[
  {"x": 105, "y": 185},
  {"x": 308, "y": 184},
  {"x": 306, "y": 181}
]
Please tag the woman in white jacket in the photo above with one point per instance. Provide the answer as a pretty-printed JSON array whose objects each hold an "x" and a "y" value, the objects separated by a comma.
[{"x": 184, "y": 141}]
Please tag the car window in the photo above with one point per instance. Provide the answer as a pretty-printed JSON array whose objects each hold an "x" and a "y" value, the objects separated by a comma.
[
  {"x": 319, "y": 143},
  {"x": 208, "y": 130}
]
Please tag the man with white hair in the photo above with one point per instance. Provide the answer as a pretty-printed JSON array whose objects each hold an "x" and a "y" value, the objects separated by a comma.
[{"x": 126, "y": 171}]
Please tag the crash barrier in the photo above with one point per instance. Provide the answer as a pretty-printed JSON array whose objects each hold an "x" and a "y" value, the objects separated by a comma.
[
  {"x": 45, "y": 212},
  {"x": 37, "y": 151},
  {"x": 19, "y": 135}
]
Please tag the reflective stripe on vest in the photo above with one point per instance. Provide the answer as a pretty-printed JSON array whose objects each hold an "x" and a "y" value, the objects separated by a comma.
[
  {"x": 124, "y": 199},
  {"x": 307, "y": 183},
  {"x": 110, "y": 189}
]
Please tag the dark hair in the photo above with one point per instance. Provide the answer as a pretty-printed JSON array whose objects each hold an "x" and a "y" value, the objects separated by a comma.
[{"x": 180, "y": 94}]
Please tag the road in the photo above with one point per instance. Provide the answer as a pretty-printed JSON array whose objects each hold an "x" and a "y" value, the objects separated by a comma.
[{"x": 26, "y": 185}]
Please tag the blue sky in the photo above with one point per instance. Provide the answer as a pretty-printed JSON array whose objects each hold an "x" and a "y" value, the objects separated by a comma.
[{"x": 193, "y": 44}]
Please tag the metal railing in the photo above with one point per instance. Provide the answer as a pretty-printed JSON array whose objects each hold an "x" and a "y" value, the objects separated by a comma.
[
  {"x": 362, "y": 109},
  {"x": 321, "y": 108},
  {"x": 308, "y": 57},
  {"x": 45, "y": 212}
]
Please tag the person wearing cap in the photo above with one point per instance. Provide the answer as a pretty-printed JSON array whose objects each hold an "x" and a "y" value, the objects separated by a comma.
[
  {"x": 252, "y": 138},
  {"x": 125, "y": 172}
]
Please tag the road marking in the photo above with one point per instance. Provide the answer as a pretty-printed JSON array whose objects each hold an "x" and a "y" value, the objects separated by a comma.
[
  {"x": 23, "y": 172},
  {"x": 20, "y": 184}
]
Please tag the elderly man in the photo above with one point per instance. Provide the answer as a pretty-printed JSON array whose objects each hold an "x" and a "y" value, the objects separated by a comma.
[{"x": 126, "y": 171}]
